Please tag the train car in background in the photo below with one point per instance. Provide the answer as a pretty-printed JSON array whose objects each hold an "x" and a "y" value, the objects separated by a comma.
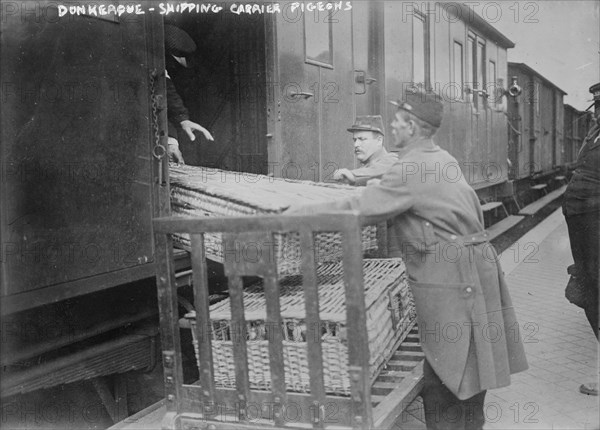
[
  {"x": 577, "y": 124},
  {"x": 537, "y": 120}
]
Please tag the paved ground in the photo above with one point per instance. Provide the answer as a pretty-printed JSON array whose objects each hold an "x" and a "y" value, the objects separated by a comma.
[{"x": 560, "y": 345}]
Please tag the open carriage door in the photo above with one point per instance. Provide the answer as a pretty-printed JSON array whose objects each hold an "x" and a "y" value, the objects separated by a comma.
[
  {"x": 314, "y": 105},
  {"x": 78, "y": 187}
]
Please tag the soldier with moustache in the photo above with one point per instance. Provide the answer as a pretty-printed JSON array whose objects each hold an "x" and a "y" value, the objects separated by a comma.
[{"x": 367, "y": 135}]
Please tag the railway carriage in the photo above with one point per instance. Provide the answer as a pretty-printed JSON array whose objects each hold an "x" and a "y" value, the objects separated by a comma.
[
  {"x": 538, "y": 117},
  {"x": 577, "y": 124},
  {"x": 84, "y": 128}
]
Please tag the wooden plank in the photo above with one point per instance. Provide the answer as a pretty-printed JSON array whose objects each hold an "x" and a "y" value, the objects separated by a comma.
[
  {"x": 375, "y": 400},
  {"x": 380, "y": 388},
  {"x": 503, "y": 226},
  {"x": 313, "y": 325},
  {"x": 55, "y": 293},
  {"x": 534, "y": 207},
  {"x": 386, "y": 412},
  {"x": 401, "y": 365},
  {"x": 127, "y": 352},
  {"x": 275, "y": 336},
  {"x": 116, "y": 405},
  {"x": 539, "y": 186},
  {"x": 408, "y": 355},
  {"x": 490, "y": 206},
  {"x": 391, "y": 376},
  {"x": 169, "y": 320},
  {"x": 358, "y": 354},
  {"x": 382, "y": 240},
  {"x": 10, "y": 356},
  {"x": 241, "y": 224},
  {"x": 149, "y": 418},
  {"x": 337, "y": 409},
  {"x": 238, "y": 338},
  {"x": 415, "y": 347},
  {"x": 203, "y": 325}
]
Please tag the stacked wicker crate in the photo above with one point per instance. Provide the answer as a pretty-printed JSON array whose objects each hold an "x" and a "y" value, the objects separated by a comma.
[
  {"x": 390, "y": 310},
  {"x": 201, "y": 191}
]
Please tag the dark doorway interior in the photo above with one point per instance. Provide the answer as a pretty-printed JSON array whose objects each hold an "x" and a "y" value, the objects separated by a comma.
[{"x": 226, "y": 90}]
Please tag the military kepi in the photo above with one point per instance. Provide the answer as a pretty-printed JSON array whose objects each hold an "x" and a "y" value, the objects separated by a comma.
[
  {"x": 368, "y": 123},
  {"x": 425, "y": 106}
]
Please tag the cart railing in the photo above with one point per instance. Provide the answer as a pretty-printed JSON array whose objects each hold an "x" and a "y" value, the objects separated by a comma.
[{"x": 206, "y": 405}]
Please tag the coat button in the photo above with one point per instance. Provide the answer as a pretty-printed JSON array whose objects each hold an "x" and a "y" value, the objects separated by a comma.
[
  {"x": 453, "y": 237},
  {"x": 468, "y": 290},
  {"x": 427, "y": 224}
]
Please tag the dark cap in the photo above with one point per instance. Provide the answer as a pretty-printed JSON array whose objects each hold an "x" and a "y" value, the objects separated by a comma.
[
  {"x": 368, "y": 123},
  {"x": 425, "y": 106},
  {"x": 178, "y": 42},
  {"x": 595, "y": 90}
]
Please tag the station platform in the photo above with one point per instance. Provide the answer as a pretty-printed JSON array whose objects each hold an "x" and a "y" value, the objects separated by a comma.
[{"x": 560, "y": 345}]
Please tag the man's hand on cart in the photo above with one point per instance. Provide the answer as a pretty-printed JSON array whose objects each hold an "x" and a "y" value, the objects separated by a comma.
[{"x": 190, "y": 126}]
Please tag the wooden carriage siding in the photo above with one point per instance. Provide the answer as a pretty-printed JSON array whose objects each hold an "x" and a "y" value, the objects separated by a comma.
[
  {"x": 392, "y": 49},
  {"x": 577, "y": 124},
  {"x": 538, "y": 115}
]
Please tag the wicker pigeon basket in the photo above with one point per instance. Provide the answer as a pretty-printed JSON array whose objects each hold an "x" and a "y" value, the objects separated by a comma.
[
  {"x": 390, "y": 316},
  {"x": 201, "y": 191}
]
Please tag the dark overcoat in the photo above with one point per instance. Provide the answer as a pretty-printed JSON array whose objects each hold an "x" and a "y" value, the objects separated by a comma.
[{"x": 468, "y": 327}]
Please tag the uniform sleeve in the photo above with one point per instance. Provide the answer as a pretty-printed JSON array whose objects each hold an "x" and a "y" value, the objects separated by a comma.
[
  {"x": 376, "y": 203},
  {"x": 391, "y": 197},
  {"x": 376, "y": 171},
  {"x": 176, "y": 111}
]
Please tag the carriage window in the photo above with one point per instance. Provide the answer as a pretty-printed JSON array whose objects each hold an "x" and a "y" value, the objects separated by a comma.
[
  {"x": 317, "y": 37},
  {"x": 470, "y": 61},
  {"x": 419, "y": 50},
  {"x": 480, "y": 66},
  {"x": 493, "y": 84},
  {"x": 458, "y": 75},
  {"x": 476, "y": 69}
]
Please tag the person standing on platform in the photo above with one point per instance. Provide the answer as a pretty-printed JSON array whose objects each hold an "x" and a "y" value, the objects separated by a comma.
[
  {"x": 581, "y": 208},
  {"x": 367, "y": 135},
  {"x": 468, "y": 328}
]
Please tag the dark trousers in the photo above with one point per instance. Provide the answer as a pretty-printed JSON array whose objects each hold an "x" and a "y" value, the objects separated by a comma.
[
  {"x": 443, "y": 410},
  {"x": 585, "y": 242}
]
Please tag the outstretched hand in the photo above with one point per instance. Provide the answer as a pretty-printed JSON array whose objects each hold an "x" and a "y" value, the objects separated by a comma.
[
  {"x": 190, "y": 126},
  {"x": 344, "y": 175}
]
